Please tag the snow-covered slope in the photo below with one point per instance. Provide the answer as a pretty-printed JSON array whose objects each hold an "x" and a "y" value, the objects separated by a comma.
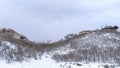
[
  {"x": 50, "y": 63},
  {"x": 88, "y": 49}
]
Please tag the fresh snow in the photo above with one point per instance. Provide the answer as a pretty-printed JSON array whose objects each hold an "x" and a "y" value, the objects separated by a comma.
[
  {"x": 111, "y": 36},
  {"x": 50, "y": 63},
  {"x": 47, "y": 62},
  {"x": 8, "y": 44},
  {"x": 105, "y": 40}
]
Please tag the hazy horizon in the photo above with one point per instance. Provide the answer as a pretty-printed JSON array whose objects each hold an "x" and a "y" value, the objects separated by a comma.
[{"x": 53, "y": 19}]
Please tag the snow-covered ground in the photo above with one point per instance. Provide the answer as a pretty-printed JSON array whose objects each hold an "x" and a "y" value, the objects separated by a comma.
[
  {"x": 49, "y": 63},
  {"x": 101, "y": 40}
]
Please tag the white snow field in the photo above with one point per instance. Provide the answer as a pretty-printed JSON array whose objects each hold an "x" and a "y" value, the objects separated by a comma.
[{"x": 49, "y": 63}]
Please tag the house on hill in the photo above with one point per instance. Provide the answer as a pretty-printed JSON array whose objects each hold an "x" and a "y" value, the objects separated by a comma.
[{"x": 110, "y": 28}]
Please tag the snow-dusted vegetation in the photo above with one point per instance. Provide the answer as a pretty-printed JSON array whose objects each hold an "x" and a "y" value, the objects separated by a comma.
[{"x": 88, "y": 49}]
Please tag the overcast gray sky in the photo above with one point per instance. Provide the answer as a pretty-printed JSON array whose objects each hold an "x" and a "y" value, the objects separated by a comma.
[{"x": 42, "y": 20}]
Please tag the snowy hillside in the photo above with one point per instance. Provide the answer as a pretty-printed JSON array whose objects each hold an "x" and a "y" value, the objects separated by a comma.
[
  {"x": 49, "y": 63},
  {"x": 88, "y": 49}
]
